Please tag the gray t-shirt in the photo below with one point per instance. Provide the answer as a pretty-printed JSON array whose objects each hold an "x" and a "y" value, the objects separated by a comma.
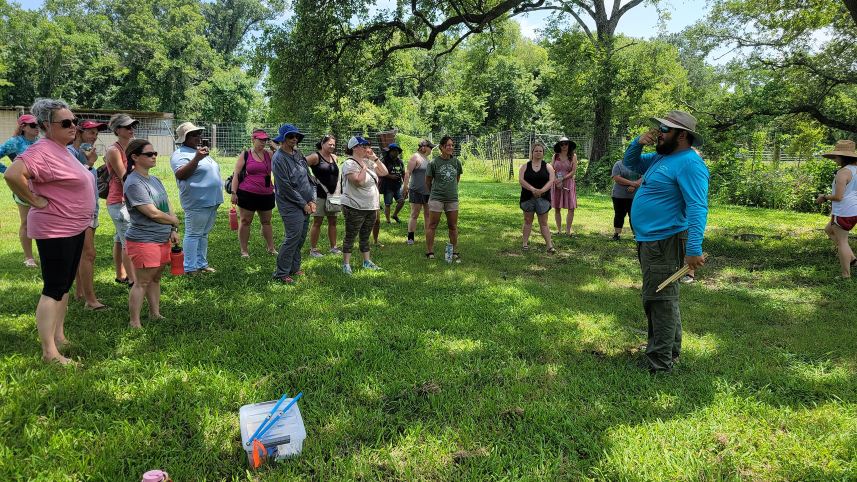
[
  {"x": 620, "y": 191},
  {"x": 139, "y": 191},
  {"x": 359, "y": 196}
]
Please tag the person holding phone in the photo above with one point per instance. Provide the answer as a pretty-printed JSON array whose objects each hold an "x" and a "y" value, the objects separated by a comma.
[
  {"x": 83, "y": 150},
  {"x": 152, "y": 228},
  {"x": 200, "y": 194},
  {"x": 670, "y": 211}
]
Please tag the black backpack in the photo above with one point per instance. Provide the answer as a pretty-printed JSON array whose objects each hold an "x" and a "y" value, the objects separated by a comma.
[
  {"x": 227, "y": 184},
  {"x": 103, "y": 181}
]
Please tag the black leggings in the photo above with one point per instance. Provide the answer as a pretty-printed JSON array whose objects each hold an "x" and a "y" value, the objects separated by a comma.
[
  {"x": 621, "y": 207},
  {"x": 60, "y": 258}
]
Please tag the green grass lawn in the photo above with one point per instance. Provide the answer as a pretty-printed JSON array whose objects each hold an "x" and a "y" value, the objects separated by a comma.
[{"x": 507, "y": 366}]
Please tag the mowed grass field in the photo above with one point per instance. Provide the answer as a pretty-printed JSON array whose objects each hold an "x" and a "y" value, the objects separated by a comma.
[{"x": 510, "y": 365}]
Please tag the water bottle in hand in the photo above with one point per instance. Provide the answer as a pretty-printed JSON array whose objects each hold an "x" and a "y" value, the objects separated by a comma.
[{"x": 448, "y": 254}]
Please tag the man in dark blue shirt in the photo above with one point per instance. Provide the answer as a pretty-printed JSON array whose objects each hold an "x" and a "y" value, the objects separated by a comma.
[{"x": 669, "y": 213}]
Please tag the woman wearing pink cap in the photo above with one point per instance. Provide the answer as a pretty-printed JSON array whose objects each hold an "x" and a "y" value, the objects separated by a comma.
[
  {"x": 24, "y": 136},
  {"x": 60, "y": 191},
  {"x": 253, "y": 192}
]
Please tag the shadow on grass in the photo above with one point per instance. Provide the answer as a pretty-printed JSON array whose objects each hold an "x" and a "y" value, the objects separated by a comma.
[{"x": 510, "y": 363}]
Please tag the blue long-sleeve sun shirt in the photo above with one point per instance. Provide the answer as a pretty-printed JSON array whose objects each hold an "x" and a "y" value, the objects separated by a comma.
[{"x": 672, "y": 198}]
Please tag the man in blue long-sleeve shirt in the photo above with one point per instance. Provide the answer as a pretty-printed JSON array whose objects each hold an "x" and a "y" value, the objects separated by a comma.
[{"x": 669, "y": 213}]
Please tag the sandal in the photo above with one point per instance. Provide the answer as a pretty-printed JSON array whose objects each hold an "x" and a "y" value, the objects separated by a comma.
[
  {"x": 121, "y": 281},
  {"x": 429, "y": 255},
  {"x": 551, "y": 250},
  {"x": 456, "y": 258},
  {"x": 525, "y": 247}
]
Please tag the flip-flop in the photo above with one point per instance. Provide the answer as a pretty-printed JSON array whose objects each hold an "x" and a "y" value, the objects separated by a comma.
[
  {"x": 121, "y": 281},
  {"x": 95, "y": 308}
]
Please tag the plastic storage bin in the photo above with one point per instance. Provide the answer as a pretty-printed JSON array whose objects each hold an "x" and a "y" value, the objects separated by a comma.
[{"x": 283, "y": 440}]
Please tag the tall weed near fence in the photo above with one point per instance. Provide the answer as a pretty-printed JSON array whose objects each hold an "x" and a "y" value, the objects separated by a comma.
[{"x": 772, "y": 185}]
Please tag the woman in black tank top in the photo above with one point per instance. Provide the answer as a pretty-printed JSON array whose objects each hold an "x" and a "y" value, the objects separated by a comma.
[
  {"x": 323, "y": 165},
  {"x": 536, "y": 178}
]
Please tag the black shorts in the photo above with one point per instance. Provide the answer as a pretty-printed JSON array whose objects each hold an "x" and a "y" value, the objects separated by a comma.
[
  {"x": 59, "y": 258},
  {"x": 255, "y": 202},
  {"x": 417, "y": 198}
]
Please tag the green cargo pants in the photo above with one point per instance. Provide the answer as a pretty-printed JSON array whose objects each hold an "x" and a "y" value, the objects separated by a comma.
[{"x": 658, "y": 261}]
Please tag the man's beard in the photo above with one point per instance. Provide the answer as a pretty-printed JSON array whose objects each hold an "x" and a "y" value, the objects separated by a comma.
[{"x": 667, "y": 147}]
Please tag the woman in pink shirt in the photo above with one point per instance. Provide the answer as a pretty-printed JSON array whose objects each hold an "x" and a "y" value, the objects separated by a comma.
[
  {"x": 253, "y": 191},
  {"x": 59, "y": 190},
  {"x": 564, "y": 192}
]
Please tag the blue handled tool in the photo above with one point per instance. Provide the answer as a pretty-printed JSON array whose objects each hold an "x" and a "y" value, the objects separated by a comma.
[{"x": 267, "y": 418}]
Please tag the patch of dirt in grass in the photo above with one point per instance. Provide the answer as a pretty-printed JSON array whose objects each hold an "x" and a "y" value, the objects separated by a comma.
[
  {"x": 461, "y": 456},
  {"x": 427, "y": 388},
  {"x": 513, "y": 413}
]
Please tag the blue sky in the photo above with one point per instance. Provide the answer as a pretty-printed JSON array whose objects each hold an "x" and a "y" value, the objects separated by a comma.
[{"x": 640, "y": 22}]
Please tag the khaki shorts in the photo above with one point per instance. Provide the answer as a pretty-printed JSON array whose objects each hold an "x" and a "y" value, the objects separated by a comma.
[
  {"x": 441, "y": 206},
  {"x": 321, "y": 209}
]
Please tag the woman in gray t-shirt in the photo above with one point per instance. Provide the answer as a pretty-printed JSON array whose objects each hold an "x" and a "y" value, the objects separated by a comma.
[
  {"x": 625, "y": 184},
  {"x": 153, "y": 226}
]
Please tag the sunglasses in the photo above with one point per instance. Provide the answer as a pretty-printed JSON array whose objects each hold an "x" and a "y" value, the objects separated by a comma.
[
  {"x": 664, "y": 129},
  {"x": 291, "y": 136},
  {"x": 67, "y": 123},
  {"x": 149, "y": 154},
  {"x": 31, "y": 125}
]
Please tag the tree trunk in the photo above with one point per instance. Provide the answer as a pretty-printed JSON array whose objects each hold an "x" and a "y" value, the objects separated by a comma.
[{"x": 602, "y": 126}]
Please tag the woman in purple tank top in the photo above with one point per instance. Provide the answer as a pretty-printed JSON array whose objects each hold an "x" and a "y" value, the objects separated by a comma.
[{"x": 253, "y": 192}]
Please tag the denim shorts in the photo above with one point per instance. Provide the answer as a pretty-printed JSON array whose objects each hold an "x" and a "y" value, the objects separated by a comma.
[{"x": 121, "y": 220}]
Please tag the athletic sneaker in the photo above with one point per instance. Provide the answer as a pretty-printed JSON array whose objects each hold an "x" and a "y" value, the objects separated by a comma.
[
  {"x": 410, "y": 242},
  {"x": 335, "y": 250},
  {"x": 368, "y": 264},
  {"x": 346, "y": 268},
  {"x": 687, "y": 279},
  {"x": 314, "y": 253},
  {"x": 615, "y": 237}
]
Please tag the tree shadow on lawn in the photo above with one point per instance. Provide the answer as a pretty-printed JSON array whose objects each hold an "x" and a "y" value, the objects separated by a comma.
[{"x": 421, "y": 371}]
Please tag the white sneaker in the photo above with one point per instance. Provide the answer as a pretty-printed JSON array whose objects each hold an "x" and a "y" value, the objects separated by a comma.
[
  {"x": 346, "y": 268},
  {"x": 687, "y": 279},
  {"x": 335, "y": 250},
  {"x": 30, "y": 263},
  {"x": 410, "y": 242},
  {"x": 314, "y": 253}
]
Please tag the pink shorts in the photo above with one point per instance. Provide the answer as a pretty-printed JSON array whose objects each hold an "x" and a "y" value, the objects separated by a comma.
[
  {"x": 148, "y": 255},
  {"x": 845, "y": 222}
]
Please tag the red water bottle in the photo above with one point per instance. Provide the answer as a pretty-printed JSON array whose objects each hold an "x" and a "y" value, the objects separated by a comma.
[
  {"x": 177, "y": 261},
  {"x": 233, "y": 219}
]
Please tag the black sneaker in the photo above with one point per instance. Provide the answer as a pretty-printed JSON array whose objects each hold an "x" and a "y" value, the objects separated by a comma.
[{"x": 615, "y": 237}]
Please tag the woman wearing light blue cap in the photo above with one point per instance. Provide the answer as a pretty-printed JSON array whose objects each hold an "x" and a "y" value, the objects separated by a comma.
[{"x": 295, "y": 195}]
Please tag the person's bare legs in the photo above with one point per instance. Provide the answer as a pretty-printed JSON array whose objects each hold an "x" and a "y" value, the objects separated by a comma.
[
  {"x": 557, "y": 215},
  {"x": 138, "y": 292},
  {"x": 399, "y": 205},
  {"x": 431, "y": 228},
  {"x": 245, "y": 220},
  {"x": 544, "y": 227},
  {"x": 153, "y": 295},
  {"x": 26, "y": 243},
  {"x": 527, "y": 229},
  {"x": 331, "y": 231},
  {"x": 452, "y": 224},
  {"x": 839, "y": 237},
  {"x": 569, "y": 219},
  {"x": 415, "y": 214},
  {"x": 84, "y": 286},
  {"x": 50, "y": 321},
  {"x": 387, "y": 213},
  {"x": 267, "y": 230},
  {"x": 315, "y": 232},
  {"x": 129, "y": 266},
  {"x": 118, "y": 261}
]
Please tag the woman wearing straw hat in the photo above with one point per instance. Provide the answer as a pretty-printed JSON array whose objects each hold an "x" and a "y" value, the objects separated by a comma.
[
  {"x": 252, "y": 191},
  {"x": 564, "y": 192},
  {"x": 200, "y": 194},
  {"x": 24, "y": 136},
  {"x": 844, "y": 209}
]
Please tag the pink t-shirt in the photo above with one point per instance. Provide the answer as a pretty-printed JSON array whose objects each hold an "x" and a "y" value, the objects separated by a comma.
[
  {"x": 257, "y": 172},
  {"x": 66, "y": 184}
]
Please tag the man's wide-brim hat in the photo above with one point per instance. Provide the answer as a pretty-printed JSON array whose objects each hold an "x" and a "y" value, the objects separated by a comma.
[
  {"x": 184, "y": 129},
  {"x": 288, "y": 129},
  {"x": 680, "y": 120},
  {"x": 571, "y": 144},
  {"x": 843, "y": 148}
]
